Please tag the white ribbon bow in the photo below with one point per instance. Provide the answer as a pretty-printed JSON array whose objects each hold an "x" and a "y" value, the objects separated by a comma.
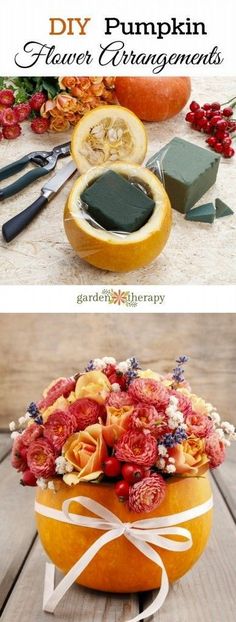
[{"x": 140, "y": 533}]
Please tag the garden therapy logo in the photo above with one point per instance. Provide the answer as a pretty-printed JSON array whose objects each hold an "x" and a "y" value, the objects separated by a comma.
[{"x": 120, "y": 298}]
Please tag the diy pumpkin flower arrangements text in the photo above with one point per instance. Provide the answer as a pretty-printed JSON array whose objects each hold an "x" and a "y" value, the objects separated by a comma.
[{"x": 115, "y": 423}]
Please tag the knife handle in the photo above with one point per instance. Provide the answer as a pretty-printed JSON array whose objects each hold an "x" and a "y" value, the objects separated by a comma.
[
  {"x": 15, "y": 225},
  {"x": 22, "y": 182}
]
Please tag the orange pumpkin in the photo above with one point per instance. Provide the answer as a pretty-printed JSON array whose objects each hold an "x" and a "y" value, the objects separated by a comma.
[
  {"x": 119, "y": 566},
  {"x": 153, "y": 98}
]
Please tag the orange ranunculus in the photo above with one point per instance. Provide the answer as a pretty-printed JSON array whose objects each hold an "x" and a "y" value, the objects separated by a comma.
[
  {"x": 190, "y": 457},
  {"x": 116, "y": 423},
  {"x": 86, "y": 451},
  {"x": 59, "y": 124},
  {"x": 67, "y": 82},
  {"x": 93, "y": 384},
  {"x": 66, "y": 103}
]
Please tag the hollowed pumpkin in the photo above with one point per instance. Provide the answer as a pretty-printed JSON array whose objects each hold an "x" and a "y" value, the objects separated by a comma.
[{"x": 119, "y": 566}]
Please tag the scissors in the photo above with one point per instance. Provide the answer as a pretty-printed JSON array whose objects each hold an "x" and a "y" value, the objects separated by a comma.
[{"x": 45, "y": 162}]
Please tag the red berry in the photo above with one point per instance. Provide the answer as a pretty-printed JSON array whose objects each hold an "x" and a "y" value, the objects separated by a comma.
[
  {"x": 221, "y": 124},
  {"x": 8, "y": 117},
  {"x": 228, "y": 152},
  {"x": 209, "y": 114},
  {"x": 231, "y": 126},
  {"x": 37, "y": 100},
  {"x": 227, "y": 141},
  {"x": 194, "y": 106},
  {"x": 28, "y": 479},
  {"x": 221, "y": 135},
  {"x": 207, "y": 107},
  {"x": 132, "y": 473},
  {"x": 7, "y": 97},
  {"x": 199, "y": 114},
  {"x": 190, "y": 116},
  {"x": 40, "y": 125},
  {"x": 11, "y": 132},
  {"x": 117, "y": 378},
  {"x": 202, "y": 123},
  {"x": 227, "y": 112},
  {"x": 214, "y": 120},
  {"x": 23, "y": 111},
  {"x": 207, "y": 128},
  {"x": 218, "y": 147},
  {"x": 122, "y": 490},
  {"x": 109, "y": 370},
  {"x": 211, "y": 141},
  {"x": 215, "y": 106},
  {"x": 112, "y": 467}
]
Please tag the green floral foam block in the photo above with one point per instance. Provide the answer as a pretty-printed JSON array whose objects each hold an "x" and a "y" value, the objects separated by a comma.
[{"x": 189, "y": 171}]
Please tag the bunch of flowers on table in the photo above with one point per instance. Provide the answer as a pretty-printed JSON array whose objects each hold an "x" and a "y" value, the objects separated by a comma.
[{"x": 117, "y": 423}]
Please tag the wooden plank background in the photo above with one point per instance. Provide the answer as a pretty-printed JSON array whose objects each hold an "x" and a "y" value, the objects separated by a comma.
[{"x": 34, "y": 349}]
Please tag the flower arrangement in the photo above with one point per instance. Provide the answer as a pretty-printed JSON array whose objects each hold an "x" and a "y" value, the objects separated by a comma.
[
  {"x": 50, "y": 104},
  {"x": 120, "y": 424}
]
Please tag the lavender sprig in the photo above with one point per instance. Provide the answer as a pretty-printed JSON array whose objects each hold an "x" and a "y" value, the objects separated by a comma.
[
  {"x": 33, "y": 410},
  {"x": 90, "y": 366},
  {"x": 178, "y": 372},
  {"x": 170, "y": 440}
]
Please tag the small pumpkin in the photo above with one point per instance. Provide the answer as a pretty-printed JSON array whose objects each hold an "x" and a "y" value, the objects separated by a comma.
[
  {"x": 153, "y": 98},
  {"x": 119, "y": 566}
]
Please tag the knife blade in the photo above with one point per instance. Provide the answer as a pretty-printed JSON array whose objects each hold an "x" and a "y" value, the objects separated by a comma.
[{"x": 15, "y": 225}]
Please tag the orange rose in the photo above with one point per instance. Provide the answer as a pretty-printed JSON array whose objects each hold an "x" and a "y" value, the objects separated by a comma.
[
  {"x": 93, "y": 384},
  {"x": 59, "y": 124},
  {"x": 67, "y": 82},
  {"x": 190, "y": 457},
  {"x": 116, "y": 423},
  {"x": 66, "y": 103},
  {"x": 86, "y": 451}
]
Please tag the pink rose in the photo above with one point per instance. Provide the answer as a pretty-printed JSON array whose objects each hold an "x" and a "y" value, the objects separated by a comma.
[
  {"x": 137, "y": 448},
  {"x": 215, "y": 450},
  {"x": 146, "y": 417},
  {"x": 41, "y": 458},
  {"x": 199, "y": 425},
  {"x": 184, "y": 403},
  {"x": 18, "y": 454},
  {"x": 119, "y": 399},
  {"x": 86, "y": 412},
  {"x": 61, "y": 386},
  {"x": 31, "y": 433},
  {"x": 148, "y": 494},
  {"x": 149, "y": 391},
  {"x": 58, "y": 427}
]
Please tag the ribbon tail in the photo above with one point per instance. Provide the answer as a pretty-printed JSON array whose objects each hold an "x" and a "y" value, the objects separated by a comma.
[
  {"x": 157, "y": 603},
  {"x": 52, "y": 597}
]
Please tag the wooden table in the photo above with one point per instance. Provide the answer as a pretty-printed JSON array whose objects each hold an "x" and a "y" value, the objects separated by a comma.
[
  {"x": 196, "y": 253},
  {"x": 206, "y": 592}
]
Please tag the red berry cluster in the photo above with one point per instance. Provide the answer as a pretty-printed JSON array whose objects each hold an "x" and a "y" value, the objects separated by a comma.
[
  {"x": 12, "y": 114},
  {"x": 131, "y": 474},
  {"x": 215, "y": 120}
]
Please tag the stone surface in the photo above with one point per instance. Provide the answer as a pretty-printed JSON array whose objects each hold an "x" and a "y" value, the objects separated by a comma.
[{"x": 195, "y": 254}]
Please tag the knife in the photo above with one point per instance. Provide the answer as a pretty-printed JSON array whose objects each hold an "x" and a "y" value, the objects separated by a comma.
[{"x": 15, "y": 225}]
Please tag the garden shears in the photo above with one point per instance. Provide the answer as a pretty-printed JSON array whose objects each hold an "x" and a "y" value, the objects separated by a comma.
[{"x": 45, "y": 163}]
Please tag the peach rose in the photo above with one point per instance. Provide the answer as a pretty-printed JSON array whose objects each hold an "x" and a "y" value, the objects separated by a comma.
[
  {"x": 93, "y": 384},
  {"x": 116, "y": 423},
  {"x": 190, "y": 457},
  {"x": 46, "y": 109},
  {"x": 59, "y": 124},
  {"x": 86, "y": 451},
  {"x": 66, "y": 103}
]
